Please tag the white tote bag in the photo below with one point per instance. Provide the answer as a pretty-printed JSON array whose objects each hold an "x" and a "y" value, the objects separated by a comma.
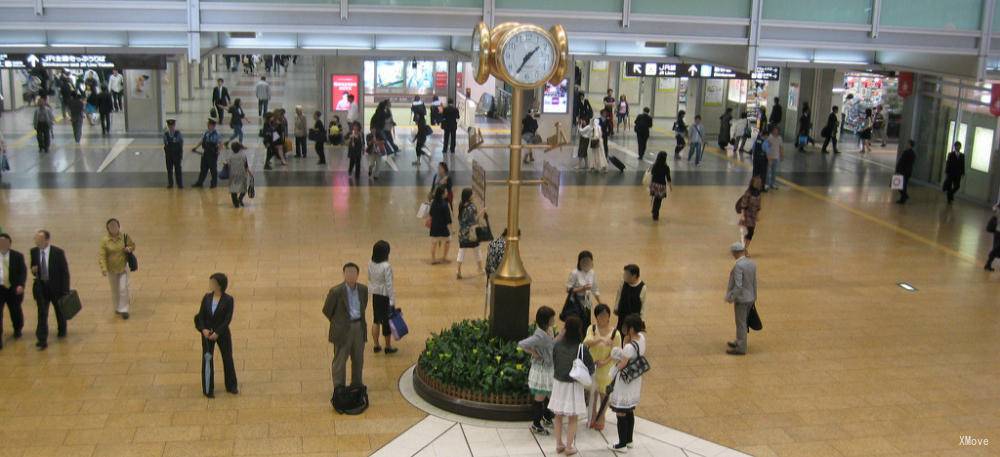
[
  {"x": 579, "y": 372},
  {"x": 424, "y": 210},
  {"x": 897, "y": 182},
  {"x": 647, "y": 177}
]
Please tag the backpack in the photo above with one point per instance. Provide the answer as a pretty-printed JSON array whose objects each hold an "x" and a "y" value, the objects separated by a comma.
[
  {"x": 758, "y": 147},
  {"x": 351, "y": 400}
]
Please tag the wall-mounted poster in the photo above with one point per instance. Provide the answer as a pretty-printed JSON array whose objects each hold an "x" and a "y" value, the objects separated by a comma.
[
  {"x": 599, "y": 65},
  {"x": 666, "y": 84},
  {"x": 713, "y": 92},
  {"x": 793, "y": 96},
  {"x": 421, "y": 78},
  {"x": 138, "y": 80},
  {"x": 556, "y": 98},
  {"x": 341, "y": 87},
  {"x": 389, "y": 74},
  {"x": 682, "y": 90}
]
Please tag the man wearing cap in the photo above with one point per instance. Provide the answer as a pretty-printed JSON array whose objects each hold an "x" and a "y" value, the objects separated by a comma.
[
  {"x": 742, "y": 293},
  {"x": 210, "y": 144},
  {"x": 173, "y": 151}
]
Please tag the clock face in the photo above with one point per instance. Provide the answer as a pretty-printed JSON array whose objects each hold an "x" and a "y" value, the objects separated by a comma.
[
  {"x": 476, "y": 48},
  {"x": 529, "y": 57}
]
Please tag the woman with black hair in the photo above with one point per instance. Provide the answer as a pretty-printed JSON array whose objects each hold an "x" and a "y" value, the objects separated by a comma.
[
  {"x": 468, "y": 220},
  {"x": 582, "y": 283},
  {"x": 680, "y": 132},
  {"x": 115, "y": 248},
  {"x": 567, "y": 398},
  {"x": 383, "y": 295},
  {"x": 440, "y": 220},
  {"x": 442, "y": 180},
  {"x": 659, "y": 182},
  {"x": 625, "y": 395},
  {"x": 213, "y": 321}
]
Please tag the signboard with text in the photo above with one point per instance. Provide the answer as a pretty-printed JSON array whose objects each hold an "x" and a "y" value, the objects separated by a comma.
[
  {"x": 82, "y": 61},
  {"x": 479, "y": 182},
  {"x": 342, "y": 86},
  {"x": 699, "y": 70},
  {"x": 550, "y": 183}
]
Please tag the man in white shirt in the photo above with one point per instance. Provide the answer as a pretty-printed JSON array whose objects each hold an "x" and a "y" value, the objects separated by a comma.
[
  {"x": 353, "y": 111},
  {"x": 116, "y": 83},
  {"x": 263, "y": 90},
  {"x": 742, "y": 293},
  {"x": 775, "y": 153},
  {"x": 13, "y": 273}
]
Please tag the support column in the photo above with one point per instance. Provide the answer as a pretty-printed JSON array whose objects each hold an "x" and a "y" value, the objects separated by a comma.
[
  {"x": 144, "y": 101},
  {"x": 177, "y": 87},
  {"x": 187, "y": 74},
  {"x": 453, "y": 80}
]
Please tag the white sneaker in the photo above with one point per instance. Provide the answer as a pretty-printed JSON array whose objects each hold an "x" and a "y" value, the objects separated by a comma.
[{"x": 619, "y": 450}]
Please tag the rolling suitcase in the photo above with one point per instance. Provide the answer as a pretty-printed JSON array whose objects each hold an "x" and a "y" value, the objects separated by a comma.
[{"x": 616, "y": 162}]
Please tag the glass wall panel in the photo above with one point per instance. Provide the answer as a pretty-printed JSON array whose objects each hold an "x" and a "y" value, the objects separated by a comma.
[
  {"x": 717, "y": 8},
  {"x": 932, "y": 14},
  {"x": 982, "y": 148},
  {"x": 561, "y": 5},
  {"x": 436, "y": 3},
  {"x": 845, "y": 11}
]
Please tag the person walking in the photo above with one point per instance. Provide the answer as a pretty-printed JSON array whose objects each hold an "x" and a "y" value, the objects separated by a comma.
[
  {"x": 423, "y": 131},
  {"x": 13, "y": 274},
  {"x": 601, "y": 338},
  {"x": 104, "y": 108},
  {"x": 659, "y": 182},
  {"x": 865, "y": 132},
  {"x": 383, "y": 295},
  {"x": 76, "y": 115},
  {"x": 625, "y": 395},
  {"x": 114, "y": 250},
  {"x": 468, "y": 242},
  {"x": 440, "y": 221},
  {"x": 449, "y": 122},
  {"x": 582, "y": 283},
  {"x": 680, "y": 130},
  {"x": 748, "y": 207},
  {"x": 697, "y": 141},
  {"x": 596, "y": 160},
  {"x": 116, "y": 82},
  {"x": 173, "y": 152},
  {"x": 631, "y": 297},
  {"x": 220, "y": 100},
  {"x": 725, "y": 129},
  {"x": 355, "y": 148},
  {"x": 263, "y": 91},
  {"x": 236, "y": 118},
  {"x": 210, "y": 143},
  {"x": 318, "y": 134},
  {"x": 51, "y": 272},
  {"x": 212, "y": 321},
  {"x": 991, "y": 227},
  {"x": 954, "y": 170},
  {"x": 904, "y": 167},
  {"x": 300, "y": 130},
  {"x": 418, "y": 110},
  {"x": 742, "y": 293},
  {"x": 609, "y": 101},
  {"x": 805, "y": 126},
  {"x": 622, "y": 110},
  {"x": 643, "y": 124},
  {"x": 831, "y": 130},
  {"x": 345, "y": 307},
  {"x": 539, "y": 346},
  {"x": 775, "y": 149},
  {"x": 239, "y": 174},
  {"x": 568, "y": 396},
  {"x": 758, "y": 155},
  {"x": 777, "y": 115},
  {"x": 742, "y": 132},
  {"x": 42, "y": 121},
  {"x": 878, "y": 125},
  {"x": 389, "y": 128}
]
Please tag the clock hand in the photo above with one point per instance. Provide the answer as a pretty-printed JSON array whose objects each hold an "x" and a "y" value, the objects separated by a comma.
[{"x": 526, "y": 58}]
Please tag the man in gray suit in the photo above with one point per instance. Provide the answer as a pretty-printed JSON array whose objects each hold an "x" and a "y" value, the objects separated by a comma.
[
  {"x": 742, "y": 293},
  {"x": 345, "y": 308}
]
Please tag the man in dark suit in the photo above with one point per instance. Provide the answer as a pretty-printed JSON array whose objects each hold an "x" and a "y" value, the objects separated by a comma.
[
  {"x": 449, "y": 122},
  {"x": 954, "y": 170},
  {"x": 12, "y": 278},
  {"x": 776, "y": 114},
  {"x": 345, "y": 308},
  {"x": 643, "y": 123},
  {"x": 904, "y": 166},
  {"x": 51, "y": 272},
  {"x": 220, "y": 100},
  {"x": 831, "y": 130},
  {"x": 105, "y": 105}
]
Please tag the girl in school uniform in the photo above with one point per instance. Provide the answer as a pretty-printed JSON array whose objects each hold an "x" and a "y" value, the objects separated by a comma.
[
  {"x": 625, "y": 395},
  {"x": 539, "y": 346}
]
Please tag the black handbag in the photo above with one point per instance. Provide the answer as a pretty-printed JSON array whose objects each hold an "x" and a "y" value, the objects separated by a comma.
[
  {"x": 251, "y": 192},
  {"x": 753, "y": 319},
  {"x": 315, "y": 135},
  {"x": 484, "y": 234},
  {"x": 636, "y": 367},
  {"x": 572, "y": 307},
  {"x": 133, "y": 262}
]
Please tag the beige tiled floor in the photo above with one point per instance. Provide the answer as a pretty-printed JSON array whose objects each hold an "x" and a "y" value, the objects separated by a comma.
[{"x": 847, "y": 364}]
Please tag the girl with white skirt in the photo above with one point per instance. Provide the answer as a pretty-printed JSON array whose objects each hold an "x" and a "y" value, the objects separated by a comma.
[
  {"x": 567, "y": 398},
  {"x": 539, "y": 346},
  {"x": 625, "y": 396}
]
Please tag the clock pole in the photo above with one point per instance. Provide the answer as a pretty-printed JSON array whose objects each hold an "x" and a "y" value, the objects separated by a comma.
[{"x": 510, "y": 288}]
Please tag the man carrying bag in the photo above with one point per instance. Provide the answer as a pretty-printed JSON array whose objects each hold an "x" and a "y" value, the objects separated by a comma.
[{"x": 51, "y": 286}]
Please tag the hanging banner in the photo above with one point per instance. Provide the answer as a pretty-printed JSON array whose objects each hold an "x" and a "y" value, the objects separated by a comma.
[
  {"x": 995, "y": 100},
  {"x": 905, "y": 84}
]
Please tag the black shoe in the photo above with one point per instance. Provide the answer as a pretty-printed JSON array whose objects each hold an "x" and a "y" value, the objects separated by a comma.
[
  {"x": 212, "y": 186},
  {"x": 731, "y": 344},
  {"x": 538, "y": 430},
  {"x": 988, "y": 268},
  {"x": 377, "y": 349},
  {"x": 391, "y": 350},
  {"x": 125, "y": 316},
  {"x": 180, "y": 186},
  {"x": 735, "y": 352},
  {"x": 267, "y": 166},
  {"x": 41, "y": 345},
  {"x": 197, "y": 184},
  {"x": 170, "y": 186},
  {"x": 61, "y": 334},
  {"x": 17, "y": 334},
  {"x": 209, "y": 395},
  {"x": 234, "y": 391}
]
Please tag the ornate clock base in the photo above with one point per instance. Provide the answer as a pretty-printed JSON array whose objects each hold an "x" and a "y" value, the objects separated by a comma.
[{"x": 510, "y": 302}]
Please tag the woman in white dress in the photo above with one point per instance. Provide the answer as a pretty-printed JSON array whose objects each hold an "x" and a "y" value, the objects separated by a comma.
[
  {"x": 567, "y": 399},
  {"x": 625, "y": 395},
  {"x": 582, "y": 283}
]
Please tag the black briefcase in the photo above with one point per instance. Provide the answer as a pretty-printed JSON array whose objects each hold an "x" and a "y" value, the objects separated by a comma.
[
  {"x": 753, "y": 319},
  {"x": 351, "y": 400},
  {"x": 69, "y": 305}
]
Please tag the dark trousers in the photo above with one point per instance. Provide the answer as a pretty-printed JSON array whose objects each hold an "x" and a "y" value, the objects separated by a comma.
[
  {"x": 320, "y": 152},
  {"x": 13, "y": 301},
  {"x": 657, "y": 201},
  {"x": 355, "y": 166},
  {"x": 448, "y": 144},
  {"x": 680, "y": 144},
  {"x": 301, "y": 146},
  {"x": 604, "y": 141},
  {"x": 45, "y": 297},
  {"x": 173, "y": 160},
  {"x": 903, "y": 194},
  {"x": 77, "y": 128},
  {"x": 116, "y": 100},
  {"x": 626, "y": 425},
  {"x": 44, "y": 135},
  {"x": 642, "y": 138},
  {"x": 951, "y": 186},
  {"x": 390, "y": 142},
  {"x": 237, "y": 199},
  {"x": 106, "y": 123},
  {"x": 272, "y": 152},
  {"x": 209, "y": 164},
  {"x": 221, "y": 111},
  {"x": 994, "y": 254},
  {"x": 828, "y": 140},
  {"x": 421, "y": 142},
  {"x": 225, "y": 343},
  {"x": 262, "y": 106}
]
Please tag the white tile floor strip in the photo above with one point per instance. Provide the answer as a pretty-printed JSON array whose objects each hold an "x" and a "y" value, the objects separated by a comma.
[
  {"x": 116, "y": 150},
  {"x": 443, "y": 434}
]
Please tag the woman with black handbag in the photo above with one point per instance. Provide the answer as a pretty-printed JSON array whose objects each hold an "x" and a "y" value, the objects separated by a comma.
[
  {"x": 582, "y": 284},
  {"x": 468, "y": 240},
  {"x": 116, "y": 259},
  {"x": 627, "y": 375}
]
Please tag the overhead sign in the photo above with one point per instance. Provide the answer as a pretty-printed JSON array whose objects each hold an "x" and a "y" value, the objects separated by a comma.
[
  {"x": 698, "y": 70},
  {"x": 82, "y": 61},
  {"x": 550, "y": 183}
]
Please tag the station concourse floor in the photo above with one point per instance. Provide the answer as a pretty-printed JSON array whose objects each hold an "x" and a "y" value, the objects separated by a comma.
[{"x": 848, "y": 363}]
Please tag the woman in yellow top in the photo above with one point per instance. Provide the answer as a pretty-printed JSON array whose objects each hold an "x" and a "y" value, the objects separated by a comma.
[
  {"x": 114, "y": 246},
  {"x": 601, "y": 338}
]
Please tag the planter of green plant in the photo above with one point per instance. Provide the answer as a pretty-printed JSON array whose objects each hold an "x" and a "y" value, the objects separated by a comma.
[{"x": 466, "y": 371}]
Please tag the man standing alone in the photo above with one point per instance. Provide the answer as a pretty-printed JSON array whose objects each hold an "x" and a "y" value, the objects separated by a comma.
[
  {"x": 51, "y": 272},
  {"x": 345, "y": 309},
  {"x": 263, "y": 90},
  {"x": 742, "y": 293},
  {"x": 173, "y": 152},
  {"x": 643, "y": 123},
  {"x": 12, "y": 276},
  {"x": 210, "y": 143},
  {"x": 449, "y": 123},
  {"x": 954, "y": 169},
  {"x": 220, "y": 99}
]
